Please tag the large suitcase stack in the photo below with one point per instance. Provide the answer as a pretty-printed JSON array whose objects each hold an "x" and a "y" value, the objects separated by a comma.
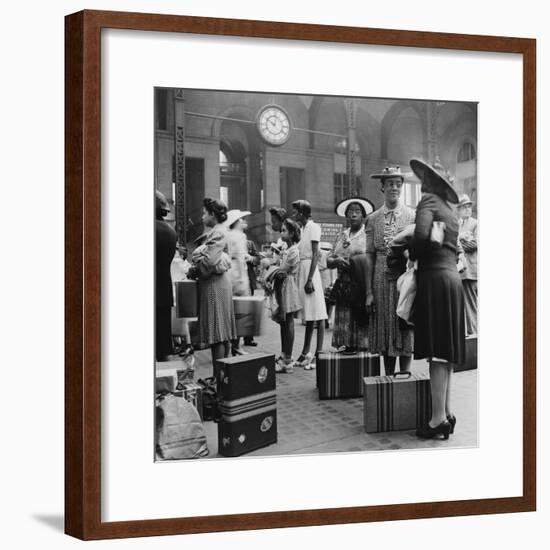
[
  {"x": 246, "y": 390},
  {"x": 340, "y": 375},
  {"x": 399, "y": 402}
]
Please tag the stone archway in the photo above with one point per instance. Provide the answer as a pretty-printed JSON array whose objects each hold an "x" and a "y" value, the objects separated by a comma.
[{"x": 391, "y": 117}]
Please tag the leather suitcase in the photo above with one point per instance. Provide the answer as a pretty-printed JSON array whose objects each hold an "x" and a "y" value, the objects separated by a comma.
[
  {"x": 245, "y": 375},
  {"x": 246, "y": 387},
  {"x": 398, "y": 402},
  {"x": 340, "y": 375},
  {"x": 248, "y": 312},
  {"x": 186, "y": 298},
  {"x": 247, "y": 424},
  {"x": 471, "y": 356}
]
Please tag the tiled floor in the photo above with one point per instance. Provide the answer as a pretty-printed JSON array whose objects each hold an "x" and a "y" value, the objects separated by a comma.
[{"x": 307, "y": 425}]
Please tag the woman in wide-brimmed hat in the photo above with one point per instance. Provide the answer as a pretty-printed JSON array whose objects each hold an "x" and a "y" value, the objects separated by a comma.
[
  {"x": 439, "y": 303},
  {"x": 350, "y": 331},
  {"x": 388, "y": 335}
]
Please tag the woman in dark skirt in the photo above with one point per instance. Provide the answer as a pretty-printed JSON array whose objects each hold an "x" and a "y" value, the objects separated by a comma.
[
  {"x": 439, "y": 304},
  {"x": 211, "y": 265}
]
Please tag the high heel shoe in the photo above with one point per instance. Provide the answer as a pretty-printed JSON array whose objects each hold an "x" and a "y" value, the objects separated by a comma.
[
  {"x": 451, "y": 419},
  {"x": 427, "y": 432}
]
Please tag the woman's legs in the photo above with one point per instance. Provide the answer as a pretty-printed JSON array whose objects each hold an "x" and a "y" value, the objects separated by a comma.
[
  {"x": 439, "y": 378},
  {"x": 307, "y": 337},
  {"x": 287, "y": 336},
  {"x": 389, "y": 365},
  {"x": 218, "y": 351},
  {"x": 448, "y": 408},
  {"x": 405, "y": 363},
  {"x": 320, "y": 336}
]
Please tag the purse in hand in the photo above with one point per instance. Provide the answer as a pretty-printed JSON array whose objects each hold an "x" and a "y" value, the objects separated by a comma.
[{"x": 437, "y": 233}]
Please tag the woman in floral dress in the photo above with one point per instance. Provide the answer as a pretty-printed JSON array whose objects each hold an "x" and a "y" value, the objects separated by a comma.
[
  {"x": 388, "y": 336},
  {"x": 350, "y": 333}
]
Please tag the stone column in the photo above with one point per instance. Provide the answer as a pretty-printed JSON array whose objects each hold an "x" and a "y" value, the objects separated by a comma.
[
  {"x": 179, "y": 156},
  {"x": 351, "y": 153}
]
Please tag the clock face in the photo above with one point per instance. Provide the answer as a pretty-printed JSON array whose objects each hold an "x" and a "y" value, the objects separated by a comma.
[{"x": 273, "y": 124}]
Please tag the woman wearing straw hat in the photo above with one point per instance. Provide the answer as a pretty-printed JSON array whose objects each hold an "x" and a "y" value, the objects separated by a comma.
[
  {"x": 349, "y": 332},
  {"x": 388, "y": 336},
  {"x": 439, "y": 302},
  {"x": 238, "y": 252},
  {"x": 468, "y": 239}
]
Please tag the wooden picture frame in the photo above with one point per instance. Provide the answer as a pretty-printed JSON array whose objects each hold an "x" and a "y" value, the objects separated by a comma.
[{"x": 83, "y": 274}]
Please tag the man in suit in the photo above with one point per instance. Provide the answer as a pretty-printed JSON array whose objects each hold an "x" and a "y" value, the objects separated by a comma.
[{"x": 165, "y": 248}]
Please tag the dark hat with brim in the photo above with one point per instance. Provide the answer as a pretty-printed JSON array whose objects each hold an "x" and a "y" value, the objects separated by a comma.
[
  {"x": 434, "y": 181},
  {"x": 343, "y": 205}
]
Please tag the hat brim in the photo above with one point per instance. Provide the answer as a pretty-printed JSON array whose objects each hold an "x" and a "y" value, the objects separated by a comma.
[
  {"x": 433, "y": 181},
  {"x": 233, "y": 216},
  {"x": 386, "y": 176},
  {"x": 342, "y": 206}
]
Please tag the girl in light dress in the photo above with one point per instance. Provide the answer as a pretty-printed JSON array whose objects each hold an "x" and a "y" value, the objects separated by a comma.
[{"x": 289, "y": 303}]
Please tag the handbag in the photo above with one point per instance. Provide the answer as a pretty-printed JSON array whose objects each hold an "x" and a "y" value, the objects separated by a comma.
[
  {"x": 437, "y": 234},
  {"x": 210, "y": 401},
  {"x": 406, "y": 286}
]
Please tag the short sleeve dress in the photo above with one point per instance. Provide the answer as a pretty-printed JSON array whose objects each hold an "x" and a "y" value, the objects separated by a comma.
[
  {"x": 290, "y": 264},
  {"x": 313, "y": 305},
  {"x": 347, "y": 331},
  {"x": 387, "y": 335}
]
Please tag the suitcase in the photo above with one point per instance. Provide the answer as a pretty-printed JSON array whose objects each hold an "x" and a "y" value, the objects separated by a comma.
[
  {"x": 471, "y": 356},
  {"x": 398, "y": 402},
  {"x": 248, "y": 425},
  {"x": 247, "y": 401},
  {"x": 340, "y": 375},
  {"x": 248, "y": 312},
  {"x": 245, "y": 375},
  {"x": 186, "y": 298}
]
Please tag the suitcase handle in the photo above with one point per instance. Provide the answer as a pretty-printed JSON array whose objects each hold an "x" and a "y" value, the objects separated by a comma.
[{"x": 404, "y": 374}]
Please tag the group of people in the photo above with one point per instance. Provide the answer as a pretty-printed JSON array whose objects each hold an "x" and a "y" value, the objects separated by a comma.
[{"x": 438, "y": 241}]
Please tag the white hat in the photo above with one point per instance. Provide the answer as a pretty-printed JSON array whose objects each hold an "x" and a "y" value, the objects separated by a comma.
[
  {"x": 234, "y": 215},
  {"x": 342, "y": 206}
]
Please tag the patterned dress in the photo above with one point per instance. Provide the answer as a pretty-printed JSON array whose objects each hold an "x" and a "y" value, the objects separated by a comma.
[
  {"x": 216, "y": 316},
  {"x": 290, "y": 264},
  {"x": 347, "y": 331},
  {"x": 387, "y": 336}
]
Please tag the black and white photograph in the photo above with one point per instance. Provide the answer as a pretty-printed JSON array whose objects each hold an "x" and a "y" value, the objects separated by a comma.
[{"x": 315, "y": 274}]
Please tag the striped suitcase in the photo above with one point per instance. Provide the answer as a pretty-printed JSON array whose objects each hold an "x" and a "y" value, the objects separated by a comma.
[
  {"x": 247, "y": 424},
  {"x": 246, "y": 389},
  {"x": 398, "y": 402},
  {"x": 340, "y": 375}
]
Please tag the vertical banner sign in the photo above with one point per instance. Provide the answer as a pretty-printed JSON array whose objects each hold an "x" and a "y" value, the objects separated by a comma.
[
  {"x": 351, "y": 112},
  {"x": 179, "y": 156}
]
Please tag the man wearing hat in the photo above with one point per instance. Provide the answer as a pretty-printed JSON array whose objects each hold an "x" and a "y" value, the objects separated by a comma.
[
  {"x": 468, "y": 239},
  {"x": 388, "y": 336},
  {"x": 165, "y": 248}
]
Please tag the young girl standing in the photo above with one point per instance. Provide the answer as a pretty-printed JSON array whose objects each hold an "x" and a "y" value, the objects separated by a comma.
[{"x": 289, "y": 304}]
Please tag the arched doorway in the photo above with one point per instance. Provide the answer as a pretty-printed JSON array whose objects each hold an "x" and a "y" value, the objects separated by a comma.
[{"x": 233, "y": 189}]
